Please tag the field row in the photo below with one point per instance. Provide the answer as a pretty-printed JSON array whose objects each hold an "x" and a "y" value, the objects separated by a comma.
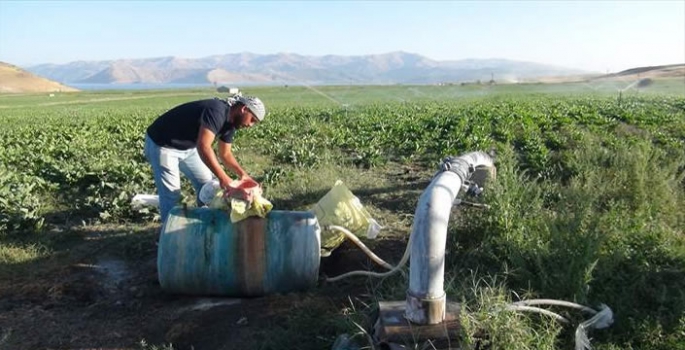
[{"x": 89, "y": 160}]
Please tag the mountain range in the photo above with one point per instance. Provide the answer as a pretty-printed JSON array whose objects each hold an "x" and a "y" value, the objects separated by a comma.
[{"x": 288, "y": 68}]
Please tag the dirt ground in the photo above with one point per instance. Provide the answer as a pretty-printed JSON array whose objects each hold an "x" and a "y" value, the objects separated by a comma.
[
  {"x": 94, "y": 295},
  {"x": 99, "y": 290}
]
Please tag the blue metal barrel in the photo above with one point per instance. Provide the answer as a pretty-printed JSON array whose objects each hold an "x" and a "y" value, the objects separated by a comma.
[{"x": 202, "y": 253}]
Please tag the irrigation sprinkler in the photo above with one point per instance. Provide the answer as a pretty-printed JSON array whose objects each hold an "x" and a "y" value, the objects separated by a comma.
[{"x": 426, "y": 314}]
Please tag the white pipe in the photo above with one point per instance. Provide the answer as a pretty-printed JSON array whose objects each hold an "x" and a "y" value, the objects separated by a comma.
[
  {"x": 533, "y": 302},
  {"x": 361, "y": 246},
  {"x": 426, "y": 295},
  {"x": 403, "y": 261},
  {"x": 601, "y": 319},
  {"x": 557, "y": 317}
]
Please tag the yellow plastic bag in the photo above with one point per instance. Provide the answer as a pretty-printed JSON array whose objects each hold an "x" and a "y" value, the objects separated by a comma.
[
  {"x": 241, "y": 209},
  {"x": 342, "y": 208}
]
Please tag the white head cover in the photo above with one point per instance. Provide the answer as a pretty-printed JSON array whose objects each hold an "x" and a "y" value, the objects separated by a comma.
[{"x": 254, "y": 104}]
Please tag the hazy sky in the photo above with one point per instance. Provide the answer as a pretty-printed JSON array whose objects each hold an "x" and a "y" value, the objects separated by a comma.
[{"x": 591, "y": 35}]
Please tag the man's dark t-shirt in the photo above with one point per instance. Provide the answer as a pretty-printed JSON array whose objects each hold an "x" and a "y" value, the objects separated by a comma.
[{"x": 178, "y": 127}]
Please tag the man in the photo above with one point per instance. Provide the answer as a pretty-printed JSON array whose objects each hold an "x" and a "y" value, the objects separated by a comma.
[{"x": 180, "y": 141}]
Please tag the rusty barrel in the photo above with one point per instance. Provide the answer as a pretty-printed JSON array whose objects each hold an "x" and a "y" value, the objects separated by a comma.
[{"x": 201, "y": 252}]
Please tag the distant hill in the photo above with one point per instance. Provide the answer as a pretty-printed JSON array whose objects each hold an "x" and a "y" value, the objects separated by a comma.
[
  {"x": 665, "y": 71},
  {"x": 287, "y": 68},
  {"x": 632, "y": 74},
  {"x": 15, "y": 80}
]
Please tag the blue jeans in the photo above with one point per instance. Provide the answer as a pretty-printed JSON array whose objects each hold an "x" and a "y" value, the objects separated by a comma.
[{"x": 167, "y": 166}]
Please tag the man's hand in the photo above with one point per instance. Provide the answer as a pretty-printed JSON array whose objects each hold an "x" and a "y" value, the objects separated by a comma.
[
  {"x": 243, "y": 189},
  {"x": 225, "y": 182},
  {"x": 234, "y": 191}
]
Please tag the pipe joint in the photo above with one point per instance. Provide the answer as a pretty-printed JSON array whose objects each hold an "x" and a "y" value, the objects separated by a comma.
[
  {"x": 457, "y": 165},
  {"x": 425, "y": 310}
]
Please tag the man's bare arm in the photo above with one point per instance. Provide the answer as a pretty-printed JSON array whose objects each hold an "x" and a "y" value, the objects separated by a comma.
[
  {"x": 204, "y": 148},
  {"x": 226, "y": 155}
]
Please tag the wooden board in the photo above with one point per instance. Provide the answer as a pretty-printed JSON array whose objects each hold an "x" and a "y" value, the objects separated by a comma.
[{"x": 392, "y": 327}]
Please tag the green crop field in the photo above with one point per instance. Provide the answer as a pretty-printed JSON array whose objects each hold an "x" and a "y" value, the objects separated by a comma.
[{"x": 588, "y": 206}]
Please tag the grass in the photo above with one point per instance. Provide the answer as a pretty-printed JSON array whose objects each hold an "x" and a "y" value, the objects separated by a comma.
[
  {"x": 143, "y": 345},
  {"x": 11, "y": 254},
  {"x": 486, "y": 324},
  {"x": 588, "y": 204},
  {"x": 612, "y": 235}
]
